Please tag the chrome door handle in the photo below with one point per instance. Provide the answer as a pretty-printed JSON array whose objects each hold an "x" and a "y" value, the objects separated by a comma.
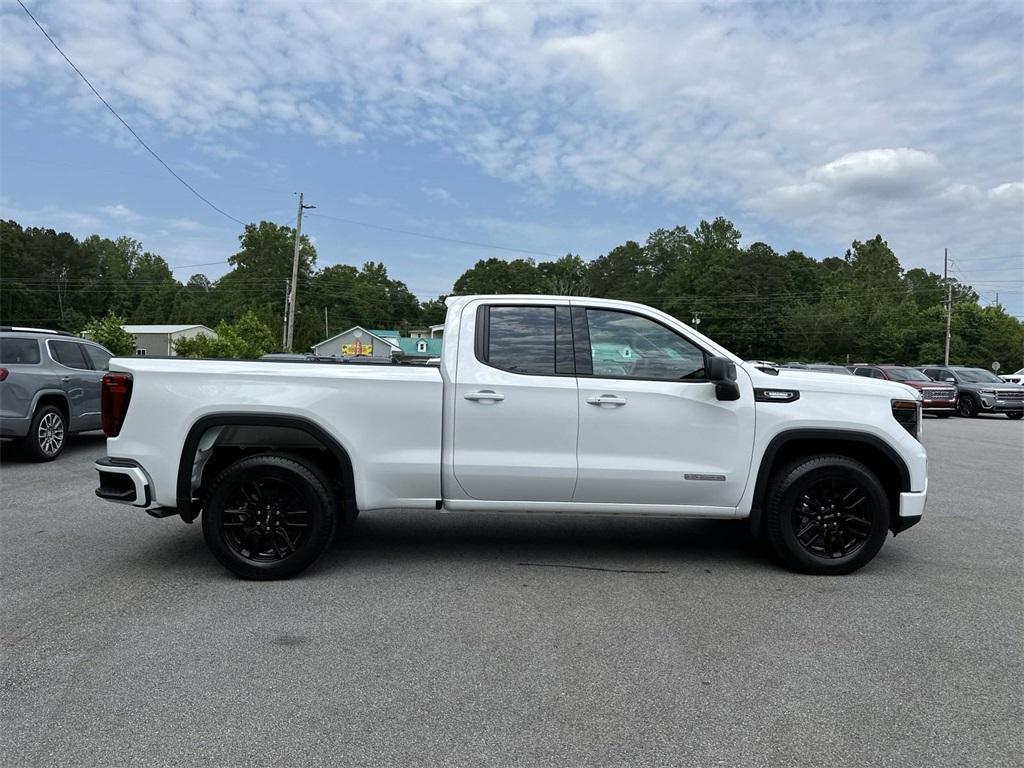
[
  {"x": 484, "y": 395},
  {"x": 65, "y": 379},
  {"x": 606, "y": 400}
]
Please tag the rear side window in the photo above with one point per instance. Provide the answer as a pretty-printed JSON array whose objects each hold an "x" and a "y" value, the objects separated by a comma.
[
  {"x": 530, "y": 340},
  {"x": 70, "y": 354},
  {"x": 19, "y": 351},
  {"x": 97, "y": 356}
]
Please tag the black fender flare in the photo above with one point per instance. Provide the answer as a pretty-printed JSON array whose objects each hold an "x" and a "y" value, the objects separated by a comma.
[
  {"x": 840, "y": 435},
  {"x": 186, "y": 504}
]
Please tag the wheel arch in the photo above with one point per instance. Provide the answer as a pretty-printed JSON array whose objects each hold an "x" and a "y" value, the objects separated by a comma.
[
  {"x": 335, "y": 460},
  {"x": 870, "y": 450},
  {"x": 55, "y": 397}
]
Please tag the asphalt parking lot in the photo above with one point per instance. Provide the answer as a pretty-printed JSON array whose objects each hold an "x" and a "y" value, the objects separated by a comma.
[{"x": 459, "y": 640}]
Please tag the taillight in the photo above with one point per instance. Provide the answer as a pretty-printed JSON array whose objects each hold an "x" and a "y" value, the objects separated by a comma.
[
  {"x": 3, "y": 374},
  {"x": 115, "y": 394}
]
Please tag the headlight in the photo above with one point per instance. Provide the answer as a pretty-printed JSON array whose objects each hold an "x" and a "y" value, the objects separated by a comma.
[{"x": 908, "y": 414}]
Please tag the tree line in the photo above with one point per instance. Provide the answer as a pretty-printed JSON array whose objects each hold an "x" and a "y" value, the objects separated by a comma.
[{"x": 862, "y": 306}]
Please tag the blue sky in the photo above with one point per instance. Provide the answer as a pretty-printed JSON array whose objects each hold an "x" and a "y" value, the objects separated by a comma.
[{"x": 547, "y": 128}]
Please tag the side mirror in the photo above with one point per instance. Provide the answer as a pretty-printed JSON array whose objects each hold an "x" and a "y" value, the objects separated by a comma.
[
  {"x": 722, "y": 372},
  {"x": 950, "y": 379}
]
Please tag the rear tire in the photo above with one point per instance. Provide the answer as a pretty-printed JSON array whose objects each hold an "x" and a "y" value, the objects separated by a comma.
[
  {"x": 269, "y": 516},
  {"x": 47, "y": 434},
  {"x": 826, "y": 515},
  {"x": 967, "y": 407}
]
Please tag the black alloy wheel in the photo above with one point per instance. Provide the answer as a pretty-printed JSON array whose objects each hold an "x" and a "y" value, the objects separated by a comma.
[
  {"x": 831, "y": 517},
  {"x": 826, "y": 515},
  {"x": 967, "y": 407},
  {"x": 269, "y": 516}
]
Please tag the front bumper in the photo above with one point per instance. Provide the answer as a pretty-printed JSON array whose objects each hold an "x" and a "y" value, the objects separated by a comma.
[
  {"x": 911, "y": 509},
  {"x": 992, "y": 405}
]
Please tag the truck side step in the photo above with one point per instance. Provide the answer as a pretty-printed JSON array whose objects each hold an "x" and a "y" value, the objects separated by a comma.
[{"x": 161, "y": 512}]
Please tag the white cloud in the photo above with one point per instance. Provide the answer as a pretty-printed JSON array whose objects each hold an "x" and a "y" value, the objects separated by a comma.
[
  {"x": 120, "y": 211},
  {"x": 440, "y": 194},
  {"x": 836, "y": 119}
]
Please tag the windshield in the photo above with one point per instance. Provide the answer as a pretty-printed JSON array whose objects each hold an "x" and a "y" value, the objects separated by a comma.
[
  {"x": 906, "y": 374},
  {"x": 978, "y": 376}
]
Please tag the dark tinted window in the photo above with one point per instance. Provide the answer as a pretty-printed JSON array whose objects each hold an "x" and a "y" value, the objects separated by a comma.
[
  {"x": 522, "y": 339},
  {"x": 69, "y": 353},
  {"x": 623, "y": 345},
  {"x": 866, "y": 372},
  {"x": 906, "y": 374},
  {"x": 19, "y": 351},
  {"x": 98, "y": 356}
]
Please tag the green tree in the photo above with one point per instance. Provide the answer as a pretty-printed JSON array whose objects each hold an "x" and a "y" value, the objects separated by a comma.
[
  {"x": 499, "y": 276},
  {"x": 246, "y": 339},
  {"x": 109, "y": 332}
]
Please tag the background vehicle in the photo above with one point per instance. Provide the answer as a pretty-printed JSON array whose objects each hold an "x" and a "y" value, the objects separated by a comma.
[
  {"x": 979, "y": 390},
  {"x": 49, "y": 388},
  {"x": 1017, "y": 377},
  {"x": 540, "y": 404},
  {"x": 937, "y": 397},
  {"x": 819, "y": 367}
]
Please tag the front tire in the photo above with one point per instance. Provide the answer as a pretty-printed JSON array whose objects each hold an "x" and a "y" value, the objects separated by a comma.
[
  {"x": 269, "y": 516},
  {"x": 827, "y": 515},
  {"x": 47, "y": 434},
  {"x": 1015, "y": 416},
  {"x": 967, "y": 407}
]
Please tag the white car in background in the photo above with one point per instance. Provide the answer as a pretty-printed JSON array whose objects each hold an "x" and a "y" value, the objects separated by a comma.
[{"x": 1014, "y": 378}]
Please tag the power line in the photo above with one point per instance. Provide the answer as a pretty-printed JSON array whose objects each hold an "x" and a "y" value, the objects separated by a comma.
[
  {"x": 428, "y": 236},
  {"x": 131, "y": 130}
]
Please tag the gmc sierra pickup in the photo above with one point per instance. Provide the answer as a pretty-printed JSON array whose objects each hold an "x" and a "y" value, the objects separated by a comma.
[{"x": 539, "y": 404}]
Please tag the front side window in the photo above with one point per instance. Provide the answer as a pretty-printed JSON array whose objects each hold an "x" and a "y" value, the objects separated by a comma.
[
  {"x": 19, "y": 351},
  {"x": 624, "y": 345},
  {"x": 69, "y": 354}
]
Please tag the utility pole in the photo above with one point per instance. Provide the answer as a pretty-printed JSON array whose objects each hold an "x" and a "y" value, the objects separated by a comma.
[
  {"x": 295, "y": 276},
  {"x": 284, "y": 316},
  {"x": 326, "y": 331},
  {"x": 949, "y": 299}
]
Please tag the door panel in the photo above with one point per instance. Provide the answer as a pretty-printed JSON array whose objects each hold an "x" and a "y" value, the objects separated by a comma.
[
  {"x": 640, "y": 452},
  {"x": 651, "y": 429},
  {"x": 515, "y": 432},
  {"x": 79, "y": 382}
]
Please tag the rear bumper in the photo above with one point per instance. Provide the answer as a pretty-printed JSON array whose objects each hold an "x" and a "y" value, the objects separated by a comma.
[
  {"x": 14, "y": 427},
  {"x": 911, "y": 509},
  {"x": 123, "y": 481}
]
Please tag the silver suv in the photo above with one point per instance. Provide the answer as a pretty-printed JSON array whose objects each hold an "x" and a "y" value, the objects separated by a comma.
[
  {"x": 980, "y": 390},
  {"x": 49, "y": 388}
]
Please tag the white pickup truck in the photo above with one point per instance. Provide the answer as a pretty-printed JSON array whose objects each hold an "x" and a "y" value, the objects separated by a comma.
[{"x": 540, "y": 404}]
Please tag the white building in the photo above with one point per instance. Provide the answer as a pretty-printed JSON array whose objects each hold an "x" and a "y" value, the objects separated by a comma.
[{"x": 159, "y": 339}]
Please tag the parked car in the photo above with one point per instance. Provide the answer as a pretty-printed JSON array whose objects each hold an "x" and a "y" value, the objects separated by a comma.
[
  {"x": 1017, "y": 377},
  {"x": 979, "y": 390},
  {"x": 937, "y": 397},
  {"x": 819, "y": 367},
  {"x": 540, "y": 404},
  {"x": 49, "y": 388}
]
